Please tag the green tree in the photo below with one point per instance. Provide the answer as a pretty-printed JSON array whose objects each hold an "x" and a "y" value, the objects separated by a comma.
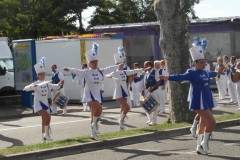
[
  {"x": 174, "y": 20},
  {"x": 123, "y": 11},
  {"x": 33, "y": 18},
  {"x": 74, "y": 9}
]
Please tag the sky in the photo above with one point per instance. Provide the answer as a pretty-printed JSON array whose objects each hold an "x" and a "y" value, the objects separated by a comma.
[{"x": 205, "y": 9}]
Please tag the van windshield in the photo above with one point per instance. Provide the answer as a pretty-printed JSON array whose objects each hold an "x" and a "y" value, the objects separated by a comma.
[{"x": 7, "y": 63}]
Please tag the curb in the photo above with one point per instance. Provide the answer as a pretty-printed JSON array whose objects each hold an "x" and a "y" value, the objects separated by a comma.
[
  {"x": 117, "y": 142},
  {"x": 13, "y": 116}
]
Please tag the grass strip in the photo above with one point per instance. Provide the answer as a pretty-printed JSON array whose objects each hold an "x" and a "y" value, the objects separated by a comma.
[{"x": 106, "y": 136}]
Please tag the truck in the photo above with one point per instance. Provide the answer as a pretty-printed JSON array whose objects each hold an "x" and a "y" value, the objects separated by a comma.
[
  {"x": 6, "y": 69},
  {"x": 66, "y": 52}
]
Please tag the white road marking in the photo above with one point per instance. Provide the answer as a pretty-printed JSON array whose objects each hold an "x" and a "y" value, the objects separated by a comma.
[
  {"x": 151, "y": 150},
  {"x": 231, "y": 144}
]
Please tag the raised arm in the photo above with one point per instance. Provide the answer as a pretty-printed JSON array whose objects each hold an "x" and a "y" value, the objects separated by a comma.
[
  {"x": 75, "y": 71},
  {"x": 29, "y": 87},
  {"x": 109, "y": 69},
  {"x": 129, "y": 72},
  {"x": 176, "y": 77}
]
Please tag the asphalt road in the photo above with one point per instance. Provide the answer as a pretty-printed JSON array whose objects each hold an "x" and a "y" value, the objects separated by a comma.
[
  {"x": 225, "y": 145},
  {"x": 26, "y": 131}
]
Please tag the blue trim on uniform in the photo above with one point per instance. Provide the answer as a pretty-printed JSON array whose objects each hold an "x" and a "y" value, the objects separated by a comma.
[
  {"x": 92, "y": 96},
  {"x": 101, "y": 73},
  {"x": 47, "y": 86},
  {"x": 125, "y": 68},
  {"x": 55, "y": 78},
  {"x": 135, "y": 80},
  {"x": 124, "y": 94},
  {"x": 101, "y": 97},
  {"x": 84, "y": 82},
  {"x": 151, "y": 79},
  {"x": 45, "y": 107}
]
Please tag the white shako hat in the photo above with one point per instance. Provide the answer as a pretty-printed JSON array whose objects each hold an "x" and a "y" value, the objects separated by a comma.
[
  {"x": 92, "y": 54},
  {"x": 196, "y": 53},
  {"x": 119, "y": 57},
  {"x": 39, "y": 68}
]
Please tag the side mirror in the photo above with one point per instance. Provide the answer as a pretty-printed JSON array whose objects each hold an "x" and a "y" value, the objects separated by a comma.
[
  {"x": 1, "y": 70},
  {"x": 4, "y": 70}
]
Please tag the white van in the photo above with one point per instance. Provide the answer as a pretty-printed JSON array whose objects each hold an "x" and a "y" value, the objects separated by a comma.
[{"x": 6, "y": 70}]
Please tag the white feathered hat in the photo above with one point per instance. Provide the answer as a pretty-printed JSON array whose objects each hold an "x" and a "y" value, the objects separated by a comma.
[
  {"x": 39, "y": 67},
  {"x": 92, "y": 54},
  {"x": 196, "y": 53},
  {"x": 119, "y": 57}
]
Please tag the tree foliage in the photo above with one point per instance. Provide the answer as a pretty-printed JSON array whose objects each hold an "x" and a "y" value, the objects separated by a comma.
[
  {"x": 33, "y": 18},
  {"x": 123, "y": 11},
  {"x": 36, "y": 18}
]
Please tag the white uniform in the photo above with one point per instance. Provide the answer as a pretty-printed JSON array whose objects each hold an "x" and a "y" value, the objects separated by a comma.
[
  {"x": 225, "y": 86},
  {"x": 164, "y": 72},
  {"x": 238, "y": 90},
  {"x": 81, "y": 83},
  {"x": 155, "y": 94},
  {"x": 120, "y": 78},
  {"x": 162, "y": 93},
  {"x": 231, "y": 86},
  {"x": 93, "y": 78},
  {"x": 221, "y": 83},
  {"x": 207, "y": 67},
  {"x": 129, "y": 101},
  {"x": 135, "y": 91},
  {"x": 41, "y": 94},
  {"x": 55, "y": 92}
]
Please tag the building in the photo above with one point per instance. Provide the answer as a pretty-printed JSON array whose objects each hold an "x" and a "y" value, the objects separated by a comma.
[{"x": 141, "y": 40}]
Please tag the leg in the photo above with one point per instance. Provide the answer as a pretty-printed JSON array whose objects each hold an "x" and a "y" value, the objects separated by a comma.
[
  {"x": 194, "y": 127},
  {"x": 54, "y": 108},
  {"x": 156, "y": 95},
  {"x": 136, "y": 95},
  {"x": 207, "y": 125},
  {"x": 222, "y": 89},
  {"x": 162, "y": 100},
  {"x": 238, "y": 93},
  {"x": 53, "y": 105},
  {"x": 64, "y": 110},
  {"x": 219, "y": 88},
  {"x": 46, "y": 118},
  {"x": 125, "y": 109},
  {"x": 231, "y": 91},
  {"x": 62, "y": 91},
  {"x": 96, "y": 111}
]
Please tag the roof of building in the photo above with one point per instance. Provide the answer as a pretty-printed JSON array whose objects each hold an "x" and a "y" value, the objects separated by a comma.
[{"x": 156, "y": 24}]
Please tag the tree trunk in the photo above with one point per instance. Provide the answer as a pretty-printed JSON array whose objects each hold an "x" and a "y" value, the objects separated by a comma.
[
  {"x": 174, "y": 45},
  {"x": 81, "y": 30}
]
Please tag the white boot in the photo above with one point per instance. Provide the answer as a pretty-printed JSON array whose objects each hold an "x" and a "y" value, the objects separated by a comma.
[
  {"x": 47, "y": 133},
  {"x": 101, "y": 116},
  {"x": 193, "y": 129},
  {"x": 43, "y": 140},
  {"x": 149, "y": 118},
  {"x": 199, "y": 147},
  {"x": 85, "y": 107},
  {"x": 205, "y": 142},
  {"x": 121, "y": 120},
  {"x": 95, "y": 124},
  {"x": 94, "y": 135}
]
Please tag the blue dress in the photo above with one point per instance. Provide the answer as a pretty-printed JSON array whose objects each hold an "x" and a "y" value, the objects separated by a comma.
[{"x": 201, "y": 96}]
